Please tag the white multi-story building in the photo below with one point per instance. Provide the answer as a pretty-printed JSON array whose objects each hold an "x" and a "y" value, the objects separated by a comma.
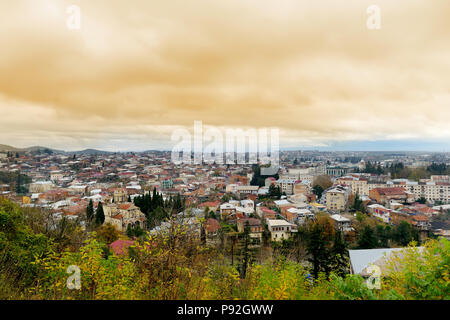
[
  {"x": 432, "y": 191},
  {"x": 41, "y": 186},
  {"x": 56, "y": 175},
  {"x": 247, "y": 189},
  {"x": 280, "y": 229}
]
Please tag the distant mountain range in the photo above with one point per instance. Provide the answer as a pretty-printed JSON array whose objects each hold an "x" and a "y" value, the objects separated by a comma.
[
  {"x": 91, "y": 152},
  {"x": 337, "y": 148},
  {"x": 6, "y": 148},
  {"x": 35, "y": 149}
]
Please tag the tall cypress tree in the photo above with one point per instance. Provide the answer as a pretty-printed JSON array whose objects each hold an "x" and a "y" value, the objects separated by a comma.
[
  {"x": 339, "y": 254},
  {"x": 99, "y": 214},
  {"x": 245, "y": 251},
  {"x": 154, "y": 199},
  {"x": 19, "y": 184},
  {"x": 90, "y": 212},
  {"x": 316, "y": 246}
]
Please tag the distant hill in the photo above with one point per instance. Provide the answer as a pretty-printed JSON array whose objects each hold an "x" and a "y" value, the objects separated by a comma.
[
  {"x": 91, "y": 152},
  {"x": 7, "y": 148},
  {"x": 41, "y": 149},
  {"x": 36, "y": 149}
]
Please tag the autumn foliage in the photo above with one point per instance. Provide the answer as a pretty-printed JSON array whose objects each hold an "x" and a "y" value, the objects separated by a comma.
[{"x": 175, "y": 264}]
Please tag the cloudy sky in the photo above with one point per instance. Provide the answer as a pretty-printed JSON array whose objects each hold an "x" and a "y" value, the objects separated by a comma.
[{"x": 139, "y": 69}]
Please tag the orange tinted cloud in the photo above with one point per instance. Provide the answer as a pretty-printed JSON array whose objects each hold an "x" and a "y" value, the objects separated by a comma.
[{"x": 136, "y": 69}]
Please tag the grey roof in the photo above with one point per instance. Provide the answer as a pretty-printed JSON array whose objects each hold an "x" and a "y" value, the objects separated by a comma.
[
  {"x": 360, "y": 259},
  {"x": 387, "y": 265}
]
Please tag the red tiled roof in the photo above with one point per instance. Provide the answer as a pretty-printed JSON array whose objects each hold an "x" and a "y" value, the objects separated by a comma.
[
  {"x": 212, "y": 225},
  {"x": 209, "y": 204},
  {"x": 124, "y": 206},
  {"x": 251, "y": 221},
  {"x": 391, "y": 191},
  {"x": 426, "y": 210},
  {"x": 267, "y": 210},
  {"x": 420, "y": 218}
]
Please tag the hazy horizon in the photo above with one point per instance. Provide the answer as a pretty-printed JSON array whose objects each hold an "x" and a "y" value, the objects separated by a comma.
[{"x": 359, "y": 146}]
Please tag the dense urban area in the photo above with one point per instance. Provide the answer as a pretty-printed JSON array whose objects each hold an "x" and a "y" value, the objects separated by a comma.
[{"x": 139, "y": 226}]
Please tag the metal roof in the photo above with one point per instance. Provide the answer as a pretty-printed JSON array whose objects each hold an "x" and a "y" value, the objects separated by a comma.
[{"x": 360, "y": 259}]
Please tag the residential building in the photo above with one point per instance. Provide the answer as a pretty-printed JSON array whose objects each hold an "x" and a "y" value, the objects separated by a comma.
[
  {"x": 385, "y": 195},
  {"x": 286, "y": 185},
  {"x": 280, "y": 229},
  {"x": 255, "y": 226},
  {"x": 342, "y": 223},
  {"x": 247, "y": 189},
  {"x": 381, "y": 212},
  {"x": 336, "y": 198},
  {"x": 265, "y": 213},
  {"x": 227, "y": 210},
  {"x": 301, "y": 188}
]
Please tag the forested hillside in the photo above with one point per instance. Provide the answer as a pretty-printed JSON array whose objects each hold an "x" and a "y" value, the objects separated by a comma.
[{"x": 36, "y": 252}]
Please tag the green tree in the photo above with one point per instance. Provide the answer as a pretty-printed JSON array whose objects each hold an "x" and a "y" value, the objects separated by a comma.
[
  {"x": 318, "y": 190},
  {"x": 134, "y": 231},
  {"x": 437, "y": 169},
  {"x": 274, "y": 191},
  {"x": 258, "y": 179},
  {"x": 130, "y": 231},
  {"x": 316, "y": 247},
  {"x": 360, "y": 217},
  {"x": 203, "y": 225},
  {"x": 358, "y": 204},
  {"x": 319, "y": 236},
  {"x": 367, "y": 239},
  {"x": 245, "y": 251},
  {"x": 340, "y": 254},
  {"x": 19, "y": 246},
  {"x": 108, "y": 233},
  {"x": 90, "y": 212},
  {"x": 422, "y": 200},
  {"x": 403, "y": 233},
  {"x": 383, "y": 235},
  {"x": 99, "y": 215},
  {"x": 20, "y": 188}
]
